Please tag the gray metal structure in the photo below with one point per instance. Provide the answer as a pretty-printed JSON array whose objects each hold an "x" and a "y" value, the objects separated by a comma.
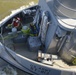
[{"x": 66, "y": 8}]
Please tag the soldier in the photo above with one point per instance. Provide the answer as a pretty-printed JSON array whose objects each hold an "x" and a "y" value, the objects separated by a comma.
[
  {"x": 33, "y": 29},
  {"x": 16, "y": 23}
]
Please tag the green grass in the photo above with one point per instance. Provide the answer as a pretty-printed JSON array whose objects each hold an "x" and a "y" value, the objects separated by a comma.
[{"x": 6, "y": 6}]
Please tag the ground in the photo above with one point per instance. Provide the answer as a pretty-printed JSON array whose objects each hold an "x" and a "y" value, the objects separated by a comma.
[{"x": 6, "y": 6}]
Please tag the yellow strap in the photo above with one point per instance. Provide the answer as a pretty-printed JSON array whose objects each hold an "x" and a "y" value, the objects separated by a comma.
[{"x": 74, "y": 61}]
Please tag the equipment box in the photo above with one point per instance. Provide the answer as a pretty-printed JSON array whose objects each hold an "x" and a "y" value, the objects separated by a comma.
[{"x": 34, "y": 43}]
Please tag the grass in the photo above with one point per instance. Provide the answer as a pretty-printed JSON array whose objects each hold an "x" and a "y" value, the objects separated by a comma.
[{"x": 6, "y": 6}]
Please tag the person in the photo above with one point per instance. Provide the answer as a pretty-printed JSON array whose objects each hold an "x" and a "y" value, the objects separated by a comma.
[
  {"x": 16, "y": 23},
  {"x": 33, "y": 29}
]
